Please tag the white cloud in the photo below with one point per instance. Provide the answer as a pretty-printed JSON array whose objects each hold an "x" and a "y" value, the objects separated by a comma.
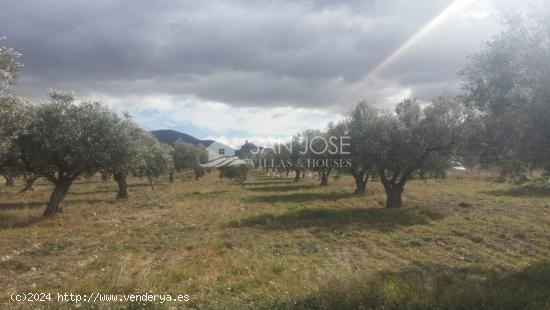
[
  {"x": 232, "y": 70},
  {"x": 228, "y": 124}
]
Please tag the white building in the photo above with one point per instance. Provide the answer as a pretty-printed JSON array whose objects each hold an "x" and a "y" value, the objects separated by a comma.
[{"x": 217, "y": 149}]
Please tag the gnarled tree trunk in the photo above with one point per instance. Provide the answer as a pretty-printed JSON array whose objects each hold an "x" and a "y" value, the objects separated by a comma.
[
  {"x": 297, "y": 176},
  {"x": 120, "y": 179},
  {"x": 393, "y": 194},
  {"x": 56, "y": 199},
  {"x": 323, "y": 175},
  {"x": 361, "y": 179},
  {"x": 324, "y": 178},
  {"x": 10, "y": 181},
  {"x": 29, "y": 183}
]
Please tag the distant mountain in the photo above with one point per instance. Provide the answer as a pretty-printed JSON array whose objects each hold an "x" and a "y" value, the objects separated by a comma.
[{"x": 171, "y": 136}]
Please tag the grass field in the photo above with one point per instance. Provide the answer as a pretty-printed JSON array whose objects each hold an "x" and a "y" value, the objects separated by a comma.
[{"x": 459, "y": 243}]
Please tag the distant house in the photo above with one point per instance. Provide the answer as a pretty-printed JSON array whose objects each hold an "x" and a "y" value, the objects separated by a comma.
[
  {"x": 217, "y": 149},
  {"x": 247, "y": 149}
]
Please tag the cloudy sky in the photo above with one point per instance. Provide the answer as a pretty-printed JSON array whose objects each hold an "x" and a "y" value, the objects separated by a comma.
[{"x": 235, "y": 70}]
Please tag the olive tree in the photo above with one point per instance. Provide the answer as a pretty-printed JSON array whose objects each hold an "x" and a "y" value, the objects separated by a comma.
[
  {"x": 11, "y": 168},
  {"x": 238, "y": 170},
  {"x": 293, "y": 157},
  {"x": 408, "y": 139},
  {"x": 13, "y": 109},
  {"x": 65, "y": 140},
  {"x": 507, "y": 83},
  {"x": 156, "y": 159},
  {"x": 307, "y": 151},
  {"x": 361, "y": 128},
  {"x": 326, "y": 151},
  {"x": 126, "y": 153},
  {"x": 287, "y": 156},
  {"x": 189, "y": 157},
  {"x": 15, "y": 113}
]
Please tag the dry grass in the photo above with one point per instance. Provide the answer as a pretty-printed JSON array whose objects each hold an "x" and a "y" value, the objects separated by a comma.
[{"x": 279, "y": 244}]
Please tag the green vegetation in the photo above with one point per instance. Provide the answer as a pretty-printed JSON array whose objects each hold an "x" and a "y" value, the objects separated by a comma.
[
  {"x": 292, "y": 242},
  {"x": 457, "y": 243}
]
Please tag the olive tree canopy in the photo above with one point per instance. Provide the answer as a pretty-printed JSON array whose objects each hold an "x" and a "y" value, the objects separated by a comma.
[
  {"x": 508, "y": 83},
  {"x": 127, "y": 153},
  {"x": 189, "y": 157},
  {"x": 156, "y": 159},
  {"x": 412, "y": 138},
  {"x": 361, "y": 128},
  {"x": 65, "y": 139}
]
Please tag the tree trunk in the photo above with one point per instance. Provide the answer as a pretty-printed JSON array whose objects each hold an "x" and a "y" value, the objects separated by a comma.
[
  {"x": 122, "y": 186},
  {"x": 324, "y": 178},
  {"x": 29, "y": 183},
  {"x": 151, "y": 182},
  {"x": 502, "y": 176},
  {"x": 297, "y": 177},
  {"x": 171, "y": 176},
  {"x": 199, "y": 172},
  {"x": 324, "y": 173},
  {"x": 56, "y": 199},
  {"x": 10, "y": 181},
  {"x": 393, "y": 194},
  {"x": 422, "y": 175},
  {"x": 361, "y": 179}
]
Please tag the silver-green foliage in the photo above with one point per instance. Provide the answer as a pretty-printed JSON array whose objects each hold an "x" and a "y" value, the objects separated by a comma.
[
  {"x": 508, "y": 83},
  {"x": 9, "y": 65},
  {"x": 188, "y": 156}
]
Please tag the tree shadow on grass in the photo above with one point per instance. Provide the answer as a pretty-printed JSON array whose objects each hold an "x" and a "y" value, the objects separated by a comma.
[
  {"x": 300, "y": 197},
  {"x": 5, "y": 206},
  {"x": 367, "y": 218},
  {"x": 69, "y": 201},
  {"x": 20, "y": 205},
  {"x": 206, "y": 195},
  {"x": 8, "y": 221},
  {"x": 220, "y": 192},
  {"x": 108, "y": 187},
  {"x": 282, "y": 188},
  {"x": 531, "y": 190},
  {"x": 265, "y": 182},
  {"x": 431, "y": 287},
  {"x": 142, "y": 185},
  {"x": 106, "y": 191}
]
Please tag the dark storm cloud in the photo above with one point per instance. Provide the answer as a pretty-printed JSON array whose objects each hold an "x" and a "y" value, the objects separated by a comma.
[{"x": 244, "y": 53}]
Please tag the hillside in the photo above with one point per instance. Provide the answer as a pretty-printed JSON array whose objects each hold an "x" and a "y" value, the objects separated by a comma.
[{"x": 171, "y": 136}]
